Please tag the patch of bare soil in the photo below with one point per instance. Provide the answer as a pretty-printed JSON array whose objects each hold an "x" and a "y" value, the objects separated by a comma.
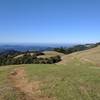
[{"x": 31, "y": 90}]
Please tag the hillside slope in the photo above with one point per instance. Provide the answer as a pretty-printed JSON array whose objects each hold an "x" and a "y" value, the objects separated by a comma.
[
  {"x": 76, "y": 80},
  {"x": 48, "y": 54},
  {"x": 91, "y": 55}
]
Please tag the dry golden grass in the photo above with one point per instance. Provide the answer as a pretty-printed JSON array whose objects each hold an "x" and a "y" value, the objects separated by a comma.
[
  {"x": 18, "y": 56},
  {"x": 50, "y": 54},
  {"x": 91, "y": 55},
  {"x": 21, "y": 55}
]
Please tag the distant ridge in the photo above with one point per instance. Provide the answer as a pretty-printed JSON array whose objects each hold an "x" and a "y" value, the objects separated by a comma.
[{"x": 36, "y": 47}]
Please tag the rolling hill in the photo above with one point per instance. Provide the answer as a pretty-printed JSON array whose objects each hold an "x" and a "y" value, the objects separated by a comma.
[
  {"x": 91, "y": 55},
  {"x": 76, "y": 77},
  {"x": 48, "y": 54}
]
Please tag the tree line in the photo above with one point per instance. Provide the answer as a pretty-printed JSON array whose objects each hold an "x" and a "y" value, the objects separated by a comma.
[
  {"x": 76, "y": 48},
  {"x": 27, "y": 58}
]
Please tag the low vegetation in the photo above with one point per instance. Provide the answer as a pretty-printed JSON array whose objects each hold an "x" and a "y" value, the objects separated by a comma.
[
  {"x": 76, "y": 48},
  {"x": 28, "y": 59}
]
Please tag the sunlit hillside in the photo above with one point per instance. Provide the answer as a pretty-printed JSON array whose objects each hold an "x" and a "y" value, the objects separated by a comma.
[{"x": 91, "y": 55}]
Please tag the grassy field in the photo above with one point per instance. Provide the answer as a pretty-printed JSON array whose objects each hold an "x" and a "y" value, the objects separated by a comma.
[
  {"x": 48, "y": 54},
  {"x": 91, "y": 55},
  {"x": 74, "y": 79},
  {"x": 7, "y": 92}
]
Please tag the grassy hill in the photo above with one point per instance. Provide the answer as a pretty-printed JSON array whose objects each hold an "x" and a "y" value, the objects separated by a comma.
[
  {"x": 91, "y": 55},
  {"x": 21, "y": 55},
  {"x": 74, "y": 78},
  {"x": 48, "y": 54}
]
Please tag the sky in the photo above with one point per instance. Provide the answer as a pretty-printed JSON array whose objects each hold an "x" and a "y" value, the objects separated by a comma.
[{"x": 49, "y": 21}]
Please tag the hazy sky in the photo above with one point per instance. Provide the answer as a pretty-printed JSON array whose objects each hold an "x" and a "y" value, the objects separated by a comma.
[{"x": 49, "y": 21}]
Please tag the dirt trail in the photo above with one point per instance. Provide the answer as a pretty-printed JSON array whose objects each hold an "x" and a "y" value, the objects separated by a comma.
[{"x": 30, "y": 89}]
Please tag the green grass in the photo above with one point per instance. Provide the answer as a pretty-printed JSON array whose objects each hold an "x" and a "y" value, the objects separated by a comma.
[
  {"x": 7, "y": 92},
  {"x": 74, "y": 81}
]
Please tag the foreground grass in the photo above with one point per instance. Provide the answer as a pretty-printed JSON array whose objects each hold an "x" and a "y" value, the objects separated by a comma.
[
  {"x": 7, "y": 91},
  {"x": 74, "y": 81}
]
